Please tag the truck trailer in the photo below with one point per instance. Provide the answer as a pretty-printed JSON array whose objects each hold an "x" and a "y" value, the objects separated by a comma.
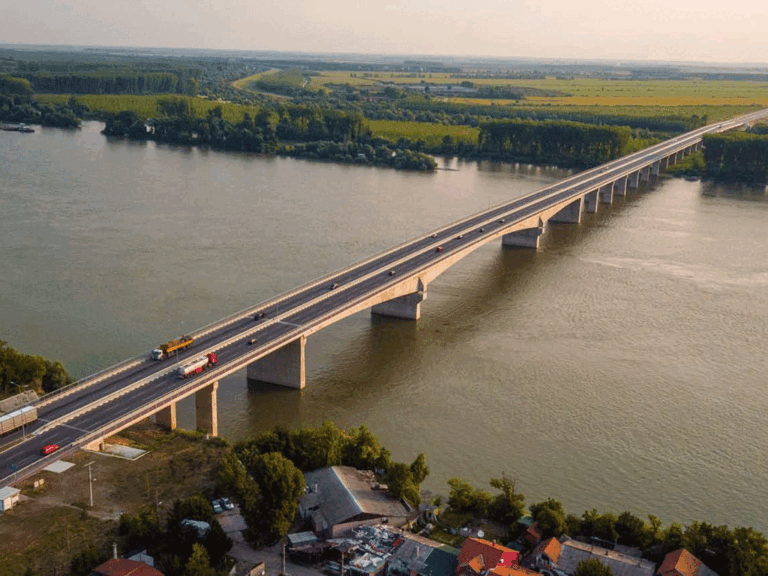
[
  {"x": 198, "y": 365},
  {"x": 17, "y": 419},
  {"x": 172, "y": 346}
]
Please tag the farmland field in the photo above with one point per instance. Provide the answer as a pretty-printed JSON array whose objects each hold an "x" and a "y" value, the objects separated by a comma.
[{"x": 432, "y": 134}]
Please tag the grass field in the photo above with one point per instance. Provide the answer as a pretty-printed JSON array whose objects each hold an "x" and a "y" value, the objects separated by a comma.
[{"x": 432, "y": 134}]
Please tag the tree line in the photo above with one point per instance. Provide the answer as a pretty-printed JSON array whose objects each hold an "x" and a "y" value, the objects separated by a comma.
[
  {"x": 18, "y": 370},
  {"x": 556, "y": 142},
  {"x": 737, "y": 156},
  {"x": 299, "y": 131},
  {"x": 729, "y": 552},
  {"x": 112, "y": 82}
]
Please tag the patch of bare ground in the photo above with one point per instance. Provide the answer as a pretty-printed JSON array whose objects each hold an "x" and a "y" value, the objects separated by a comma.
[{"x": 54, "y": 523}]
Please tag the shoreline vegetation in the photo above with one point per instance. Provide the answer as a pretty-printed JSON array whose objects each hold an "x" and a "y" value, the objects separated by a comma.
[{"x": 378, "y": 114}]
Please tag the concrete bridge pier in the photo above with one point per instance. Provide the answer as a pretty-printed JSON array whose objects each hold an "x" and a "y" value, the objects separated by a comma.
[
  {"x": 285, "y": 366},
  {"x": 606, "y": 194},
  {"x": 679, "y": 156},
  {"x": 206, "y": 411},
  {"x": 407, "y": 307},
  {"x": 571, "y": 214},
  {"x": 655, "y": 168},
  {"x": 664, "y": 163},
  {"x": 672, "y": 160},
  {"x": 645, "y": 174},
  {"x": 166, "y": 417},
  {"x": 590, "y": 202},
  {"x": 633, "y": 180},
  {"x": 528, "y": 238},
  {"x": 620, "y": 187}
]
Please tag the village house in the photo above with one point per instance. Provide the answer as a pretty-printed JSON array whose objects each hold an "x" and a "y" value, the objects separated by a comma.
[
  {"x": 340, "y": 498},
  {"x": 683, "y": 563}
]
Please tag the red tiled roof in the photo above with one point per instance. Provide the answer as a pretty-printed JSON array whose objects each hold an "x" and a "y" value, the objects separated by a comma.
[
  {"x": 679, "y": 563},
  {"x": 121, "y": 567},
  {"x": 549, "y": 547},
  {"x": 513, "y": 570},
  {"x": 479, "y": 554},
  {"x": 534, "y": 532}
]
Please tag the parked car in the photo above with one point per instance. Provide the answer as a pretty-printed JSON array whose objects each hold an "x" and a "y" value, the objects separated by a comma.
[
  {"x": 227, "y": 503},
  {"x": 217, "y": 508}
]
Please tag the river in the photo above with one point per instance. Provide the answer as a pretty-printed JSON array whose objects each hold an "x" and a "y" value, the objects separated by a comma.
[{"x": 621, "y": 367}]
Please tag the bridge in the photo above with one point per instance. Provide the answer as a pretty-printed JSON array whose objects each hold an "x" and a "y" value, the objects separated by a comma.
[{"x": 393, "y": 283}]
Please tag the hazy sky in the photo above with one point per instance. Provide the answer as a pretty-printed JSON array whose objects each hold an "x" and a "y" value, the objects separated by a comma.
[{"x": 704, "y": 30}]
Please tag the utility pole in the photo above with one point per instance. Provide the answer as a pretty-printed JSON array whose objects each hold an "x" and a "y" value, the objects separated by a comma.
[
  {"x": 90, "y": 481},
  {"x": 282, "y": 571}
]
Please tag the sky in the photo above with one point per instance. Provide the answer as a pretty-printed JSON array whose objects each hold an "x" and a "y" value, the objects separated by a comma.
[{"x": 656, "y": 30}]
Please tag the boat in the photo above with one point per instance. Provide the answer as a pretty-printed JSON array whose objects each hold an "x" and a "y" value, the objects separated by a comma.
[{"x": 21, "y": 127}]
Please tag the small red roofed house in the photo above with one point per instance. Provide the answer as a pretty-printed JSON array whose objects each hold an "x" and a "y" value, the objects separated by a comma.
[
  {"x": 545, "y": 555},
  {"x": 533, "y": 534},
  {"x": 683, "y": 563},
  {"x": 481, "y": 557},
  {"x": 120, "y": 567}
]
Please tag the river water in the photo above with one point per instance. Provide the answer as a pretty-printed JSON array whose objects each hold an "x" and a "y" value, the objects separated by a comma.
[{"x": 621, "y": 367}]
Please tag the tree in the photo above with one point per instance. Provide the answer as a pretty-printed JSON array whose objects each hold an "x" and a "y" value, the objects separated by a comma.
[
  {"x": 464, "y": 498},
  {"x": 401, "y": 483},
  {"x": 419, "y": 469},
  {"x": 508, "y": 506},
  {"x": 198, "y": 563},
  {"x": 592, "y": 567},
  {"x": 280, "y": 484},
  {"x": 550, "y": 517}
]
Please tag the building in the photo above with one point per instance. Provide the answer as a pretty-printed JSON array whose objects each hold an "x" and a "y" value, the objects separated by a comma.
[
  {"x": 572, "y": 552},
  {"x": 683, "y": 563},
  {"x": 8, "y": 497},
  {"x": 341, "y": 498},
  {"x": 545, "y": 555},
  {"x": 480, "y": 557},
  {"x": 122, "y": 567}
]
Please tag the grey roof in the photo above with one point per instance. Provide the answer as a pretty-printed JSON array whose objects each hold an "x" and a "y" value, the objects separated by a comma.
[
  {"x": 8, "y": 491},
  {"x": 344, "y": 492},
  {"x": 573, "y": 552}
]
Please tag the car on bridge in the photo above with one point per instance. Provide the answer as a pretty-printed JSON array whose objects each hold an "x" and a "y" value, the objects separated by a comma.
[
  {"x": 439, "y": 249},
  {"x": 259, "y": 315},
  {"x": 333, "y": 286},
  {"x": 252, "y": 341},
  {"x": 391, "y": 272},
  {"x": 48, "y": 449}
]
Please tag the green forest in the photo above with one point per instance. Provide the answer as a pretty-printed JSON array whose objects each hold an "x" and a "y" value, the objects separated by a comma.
[{"x": 21, "y": 371}]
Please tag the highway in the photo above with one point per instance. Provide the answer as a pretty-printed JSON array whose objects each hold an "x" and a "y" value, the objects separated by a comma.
[{"x": 143, "y": 386}]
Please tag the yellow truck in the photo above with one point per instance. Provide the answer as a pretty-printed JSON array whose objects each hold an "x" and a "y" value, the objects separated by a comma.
[{"x": 165, "y": 350}]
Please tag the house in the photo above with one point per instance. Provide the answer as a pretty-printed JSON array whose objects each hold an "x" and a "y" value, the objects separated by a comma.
[
  {"x": 545, "y": 555},
  {"x": 533, "y": 534},
  {"x": 122, "y": 567},
  {"x": 683, "y": 563},
  {"x": 341, "y": 498},
  {"x": 480, "y": 557},
  {"x": 8, "y": 497},
  {"x": 572, "y": 552}
]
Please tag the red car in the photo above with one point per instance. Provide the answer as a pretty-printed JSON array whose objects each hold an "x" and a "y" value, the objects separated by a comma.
[
  {"x": 439, "y": 249},
  {"x": 48, "y": 449}
]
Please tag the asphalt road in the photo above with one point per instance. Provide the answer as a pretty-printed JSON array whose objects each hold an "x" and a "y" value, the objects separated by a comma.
[{"x": 67, "y": 419}]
